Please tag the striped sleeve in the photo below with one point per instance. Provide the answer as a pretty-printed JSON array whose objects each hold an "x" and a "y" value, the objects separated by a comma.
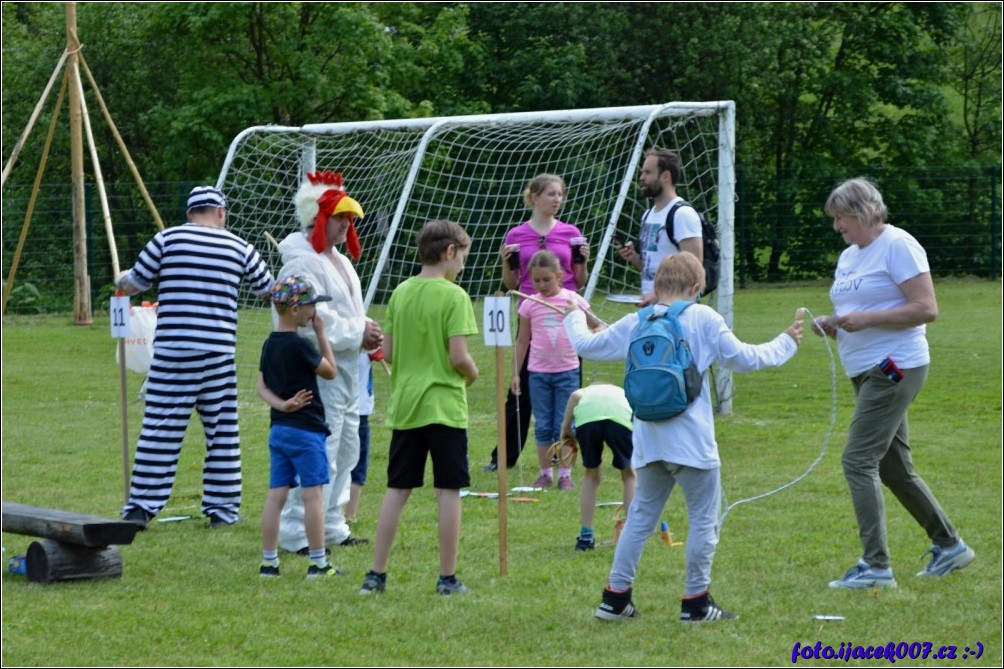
[
  {"x": 200, "y": 270},
  {"x": 257, "y": 274}
]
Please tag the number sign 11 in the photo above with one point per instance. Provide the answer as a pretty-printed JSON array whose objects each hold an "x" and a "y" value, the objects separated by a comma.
[{"x": 119, "y": 312}]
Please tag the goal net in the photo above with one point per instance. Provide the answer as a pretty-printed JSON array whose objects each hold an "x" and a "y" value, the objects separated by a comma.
[{"x": 473, "y": 170}]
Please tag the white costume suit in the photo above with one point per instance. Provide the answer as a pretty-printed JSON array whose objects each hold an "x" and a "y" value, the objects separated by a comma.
[{"x": 344, "y": 323}]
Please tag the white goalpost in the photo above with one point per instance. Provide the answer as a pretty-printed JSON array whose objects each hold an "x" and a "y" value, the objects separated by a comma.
[{"x": 473, "y": 169}]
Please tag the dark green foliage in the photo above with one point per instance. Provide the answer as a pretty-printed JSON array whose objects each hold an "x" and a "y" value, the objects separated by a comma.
[{"x": 909, "y": 93}]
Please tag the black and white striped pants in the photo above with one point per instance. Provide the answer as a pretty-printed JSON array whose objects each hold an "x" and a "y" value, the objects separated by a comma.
[{"x": 180, "y": 381}]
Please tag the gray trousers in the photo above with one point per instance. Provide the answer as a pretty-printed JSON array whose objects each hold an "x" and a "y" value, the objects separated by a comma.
[
  {"x": 702, "y": 491},
  {"x": 878, "y": 451}
]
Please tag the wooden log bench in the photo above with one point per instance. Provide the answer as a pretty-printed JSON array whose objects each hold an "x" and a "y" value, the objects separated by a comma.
[{"x": 72, "y": 546}]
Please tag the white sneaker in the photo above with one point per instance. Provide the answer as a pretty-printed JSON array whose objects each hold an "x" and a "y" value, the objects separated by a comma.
[
  {"x": 862, "y": 576},
  {"x": 944, "y": 560}
]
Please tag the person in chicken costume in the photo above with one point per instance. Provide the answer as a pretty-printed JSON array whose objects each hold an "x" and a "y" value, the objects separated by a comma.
[{"x": 327, "y": 216}]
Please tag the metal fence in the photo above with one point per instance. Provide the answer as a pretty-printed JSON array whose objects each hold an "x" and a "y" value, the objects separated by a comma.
[{"x": 781, "y": 231}]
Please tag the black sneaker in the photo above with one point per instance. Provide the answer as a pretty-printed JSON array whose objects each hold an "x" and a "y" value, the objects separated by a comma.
[
  {"x": 583, "y": 544},
  {"x": 373, "y": 582},
  {"x": 138, "y": 516},
  {"x": 268, "y": 570},
  {"x": 352, "y": 541},
  {"x": 703, "y": 609},
  {"x": 451, "y": 587},
  {"x": 490, "y": 467},
  {"x": 217, "y": 521},
  {"x": 305, "y": 552},
  {"x": 616, "y": 606}
]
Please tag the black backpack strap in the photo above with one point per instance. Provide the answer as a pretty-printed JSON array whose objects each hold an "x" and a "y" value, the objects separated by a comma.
[{"x": 670, "y": 232}]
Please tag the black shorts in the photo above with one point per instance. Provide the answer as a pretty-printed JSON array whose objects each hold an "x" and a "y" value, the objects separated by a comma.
[
  {"x": 408, "y": 452},
  {"x": 592, "y": 436}
]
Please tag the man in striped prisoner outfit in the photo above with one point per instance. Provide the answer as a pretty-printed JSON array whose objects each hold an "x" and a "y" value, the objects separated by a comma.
[{"x": 199, "y": 266}]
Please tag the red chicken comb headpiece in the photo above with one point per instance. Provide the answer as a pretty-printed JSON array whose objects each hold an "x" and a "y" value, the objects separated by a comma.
[{"x": 334, "y": 201}]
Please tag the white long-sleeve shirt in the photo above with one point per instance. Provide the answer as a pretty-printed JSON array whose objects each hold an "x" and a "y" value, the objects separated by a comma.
[{"x": 687, "y": 439}]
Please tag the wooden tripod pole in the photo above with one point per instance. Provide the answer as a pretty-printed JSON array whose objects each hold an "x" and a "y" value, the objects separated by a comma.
[
  {"x": 34, "y": 117},
  {"x": 122, "y": 147},
  {"x": 34, "y": 196},
  {"x": 81, "y": 279},
  {"x": 98, "y": 179},
  {"x": 71, "y": 75}
]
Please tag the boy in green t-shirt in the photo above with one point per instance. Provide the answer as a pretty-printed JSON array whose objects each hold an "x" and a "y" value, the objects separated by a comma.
[{"x": 428, "y": 321}]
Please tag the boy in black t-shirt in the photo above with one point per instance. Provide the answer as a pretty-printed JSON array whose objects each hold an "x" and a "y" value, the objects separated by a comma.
[{"x": 287, "y": 381}]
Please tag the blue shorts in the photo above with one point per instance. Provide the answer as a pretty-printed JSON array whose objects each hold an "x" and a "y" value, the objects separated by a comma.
[{"x": 297, "y": 457}]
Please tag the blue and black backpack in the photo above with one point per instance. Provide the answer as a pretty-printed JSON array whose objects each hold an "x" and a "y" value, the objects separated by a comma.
[{"x": 661, "y": 377}]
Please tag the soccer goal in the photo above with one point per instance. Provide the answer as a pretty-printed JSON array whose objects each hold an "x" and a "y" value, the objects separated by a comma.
[{"x": 473, "y": 169}]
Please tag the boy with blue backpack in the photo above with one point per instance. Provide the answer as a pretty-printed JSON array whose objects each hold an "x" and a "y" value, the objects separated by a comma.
[{"x": 674, "y": 431}]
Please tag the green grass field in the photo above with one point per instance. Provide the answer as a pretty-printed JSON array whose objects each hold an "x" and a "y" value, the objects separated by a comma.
[{"x": 192, "y": 596}]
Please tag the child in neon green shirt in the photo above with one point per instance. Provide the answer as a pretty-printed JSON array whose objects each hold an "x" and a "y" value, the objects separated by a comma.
[{"x": 428, "y": 321}]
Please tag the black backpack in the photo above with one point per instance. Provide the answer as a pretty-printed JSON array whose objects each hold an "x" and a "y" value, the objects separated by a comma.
[{"x": 712, "y": 251}]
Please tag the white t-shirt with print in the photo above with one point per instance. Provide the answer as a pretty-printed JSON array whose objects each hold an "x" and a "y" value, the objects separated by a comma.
[
  {"x": 654, "y": 240},
  {"x": 868, "y": 279}
]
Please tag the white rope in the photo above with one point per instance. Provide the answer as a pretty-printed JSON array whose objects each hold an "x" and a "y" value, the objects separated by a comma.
[{"x": 822, "y": 451}]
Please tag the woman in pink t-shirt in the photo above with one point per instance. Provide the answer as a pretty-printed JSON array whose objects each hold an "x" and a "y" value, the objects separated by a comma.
[{"x": 544, "y": 195}]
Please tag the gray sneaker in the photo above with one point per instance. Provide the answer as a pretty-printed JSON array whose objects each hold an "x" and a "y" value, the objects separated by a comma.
[
  {"x": 945, "y": 560},
  {"x": 862, "y": 575},
  {"x": 451, "y": 587},
  {"x": 373, "y": 583}
]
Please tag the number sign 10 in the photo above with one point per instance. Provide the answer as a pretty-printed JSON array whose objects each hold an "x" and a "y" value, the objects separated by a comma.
[{"x": 496, "y": 322}]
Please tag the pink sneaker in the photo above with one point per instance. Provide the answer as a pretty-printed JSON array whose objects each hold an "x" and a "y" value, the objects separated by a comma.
[
  {"x": 566, "y": 483},
  {"x": 543, "y": 481}
]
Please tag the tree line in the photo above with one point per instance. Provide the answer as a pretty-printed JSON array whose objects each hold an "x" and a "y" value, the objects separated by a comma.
[{"x": 909, "y": 93}]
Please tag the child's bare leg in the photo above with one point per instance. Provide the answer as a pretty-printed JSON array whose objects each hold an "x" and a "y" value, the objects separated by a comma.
[
  {"x": 587, "y": 501},
  {"x": 313, "y": 516},
  {"x": 449, "y": 530},
  {"x": 390, "y": 515},
  {"x": 543, "y": 459},
  {"x": 628, "y": 479},
  {"x": 569, "y": 456},
  {"x": 274, "y": 502},
  {"x": 352, "y": 509}
]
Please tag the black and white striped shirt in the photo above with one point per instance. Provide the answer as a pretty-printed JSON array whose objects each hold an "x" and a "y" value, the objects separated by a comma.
[{"x": 200, "y": 270}]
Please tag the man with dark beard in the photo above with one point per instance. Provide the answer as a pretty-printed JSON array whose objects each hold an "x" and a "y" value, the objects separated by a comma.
[{"x": 660, "y": 173}]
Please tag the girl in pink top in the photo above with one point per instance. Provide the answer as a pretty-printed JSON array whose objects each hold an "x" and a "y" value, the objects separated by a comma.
[
  {"x": 544, "y": 195},
  {"x": 551, "y": 360}
]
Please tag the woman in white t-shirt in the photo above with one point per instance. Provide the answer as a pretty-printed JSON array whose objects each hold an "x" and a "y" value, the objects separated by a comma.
[{"x": 882, "y": 297}]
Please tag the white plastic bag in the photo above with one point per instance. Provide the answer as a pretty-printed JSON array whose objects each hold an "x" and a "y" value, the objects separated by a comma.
[{"x": 139, "y": 343}]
